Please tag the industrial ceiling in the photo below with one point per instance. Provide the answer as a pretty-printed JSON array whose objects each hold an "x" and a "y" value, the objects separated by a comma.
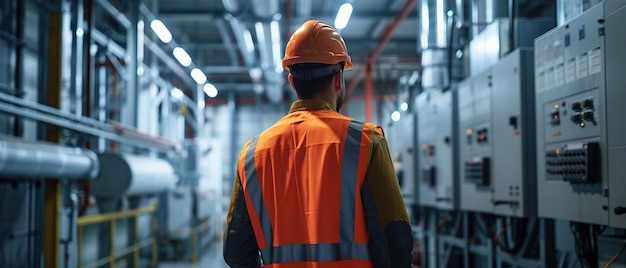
[{"x": 211, "y": 33}]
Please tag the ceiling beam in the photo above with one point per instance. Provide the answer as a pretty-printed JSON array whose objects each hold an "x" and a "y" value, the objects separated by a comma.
[
  {"x": 372, "y": 42},
  {"x": 211, "y": 15}
]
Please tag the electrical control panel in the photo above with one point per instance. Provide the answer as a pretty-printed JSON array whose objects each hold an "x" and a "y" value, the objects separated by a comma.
[
  {"x": 615, "y": 63},
  {"x": 436, "y": 150},
  {"x": 475, "y": 142},
  {"x": 513, "y": 130},
  {"x": 497, "y": 138},
  {"x": 401, "y": 139},
  {"x": 570, "y": 91}
]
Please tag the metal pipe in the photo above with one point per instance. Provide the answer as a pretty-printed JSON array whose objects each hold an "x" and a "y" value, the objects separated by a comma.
[
  {"x": 83, "y": 127},
  {"x": 19, "y": 158},
  {"x": 382, "y": 42},
  {"x": 232, "y": 54},
  {"x": 116, "y": 14},
  {"x": 244, "y": 40},
  {"x": 135, "y": 33},
  {"x": 232, "y": 130},
  {"x": 265, "y": 9},
  {"x": 434, "y": 45},
  {"x": 124, "y": 20},
  {"x": 19, "y": 60},
  {"x": 76, "y": 64},
  {"x": 123, "y": 174},
  {"x": 303, "y": 9}
]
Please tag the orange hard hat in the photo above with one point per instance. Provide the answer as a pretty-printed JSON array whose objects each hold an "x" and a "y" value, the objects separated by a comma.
[{"x": 316, "y": 42}]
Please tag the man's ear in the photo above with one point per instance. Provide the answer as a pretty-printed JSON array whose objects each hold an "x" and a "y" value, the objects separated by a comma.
[
  {"x": 291, "y": 83},
  {"x": 337, "y": 81}
]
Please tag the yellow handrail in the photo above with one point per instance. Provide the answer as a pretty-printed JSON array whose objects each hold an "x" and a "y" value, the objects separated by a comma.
[{"x": 111, "y": 218}]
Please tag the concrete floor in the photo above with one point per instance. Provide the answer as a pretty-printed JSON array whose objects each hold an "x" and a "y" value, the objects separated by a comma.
[{"x": 212, "y": 258}]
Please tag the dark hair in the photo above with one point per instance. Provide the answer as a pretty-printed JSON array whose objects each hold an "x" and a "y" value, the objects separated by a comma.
[{"x": 308, "y": 88}]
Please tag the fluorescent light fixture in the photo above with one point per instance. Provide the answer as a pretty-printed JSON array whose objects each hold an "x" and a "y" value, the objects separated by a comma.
[
  {"x": 201, "y": 104},
  {"x": 441, "y": 25},
  {"x": 161, "y": 31},
  {"x": 343, "y": 16},
  {"x": 425, "y": 25},
  {"x": 247, "y": 39},
  {"x": 210, "y": 90},
  {"x": 255, "y": 73},
  {"x": 276, "y": 55},
  {"x": 198, "y": 76},
  {"x": 404, "y": 106},
  {"x": 177, "y": 94},
  {"x": 413, "y": 79},
  {"x": 181, "y": 55},
  {"x": 395, "y": 116}
]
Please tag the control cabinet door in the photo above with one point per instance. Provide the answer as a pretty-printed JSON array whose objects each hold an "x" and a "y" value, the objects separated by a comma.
[
  {"x": 474, "y": 113},
  {"x": 442, "y": 104},
  {"x": 616, "y": 97},
  {"x": 427, "y": 163},
  {"x": 507, "y": 137}
]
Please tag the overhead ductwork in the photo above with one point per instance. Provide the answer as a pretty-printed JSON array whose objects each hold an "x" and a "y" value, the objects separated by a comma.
[
  {"x": 433, "y": 43},
  {"x": 244, "y": 39},
  {"x": 269, "y": 45},
  {"x": 268, "y": 36},
  {"x": 22, "y": 159},
  {"x": 303, "y": 9},
  {"x": 439, "y": 42}
]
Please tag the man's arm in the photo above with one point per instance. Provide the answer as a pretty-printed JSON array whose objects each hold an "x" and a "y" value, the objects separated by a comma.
[
  {"x": 389, "y": 220},
  {"x": 240, "y": 247}
]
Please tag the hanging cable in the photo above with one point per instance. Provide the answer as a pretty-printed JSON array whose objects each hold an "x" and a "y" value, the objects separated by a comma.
[{"x": 608, "y": 264}]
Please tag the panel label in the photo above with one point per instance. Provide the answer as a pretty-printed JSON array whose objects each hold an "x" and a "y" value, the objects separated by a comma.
[
  {"x": 549, "y": 78},
  {"x": 595, "y": 61},
  {"x": 582, "y": 63},
  {"x": 559, "y": 75},
  {"x": 570, "y": 70}
]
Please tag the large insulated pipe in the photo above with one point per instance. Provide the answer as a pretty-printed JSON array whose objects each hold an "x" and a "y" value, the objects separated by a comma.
[
  {"x": 433, "y": 44},
  {"x": 128, "y": 175},
  {"x": 23, "y": 159}
]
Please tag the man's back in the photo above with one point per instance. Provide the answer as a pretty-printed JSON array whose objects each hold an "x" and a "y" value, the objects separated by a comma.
[{"x": 299, "y": 164}]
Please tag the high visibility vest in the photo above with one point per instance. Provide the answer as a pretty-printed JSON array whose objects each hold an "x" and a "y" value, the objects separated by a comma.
[{"x": 302, "y": 183}]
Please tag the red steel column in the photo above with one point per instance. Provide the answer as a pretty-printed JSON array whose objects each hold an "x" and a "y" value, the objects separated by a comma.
[{"x": 368, "y": 92}]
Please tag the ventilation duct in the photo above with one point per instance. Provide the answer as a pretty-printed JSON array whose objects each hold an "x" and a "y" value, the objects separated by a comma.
[
  {"x": 434, "y": 44},
  {"x": 242, "y": 34},
  {"x": 22, "y": 159},
  {"x": 268, "y": 36}
]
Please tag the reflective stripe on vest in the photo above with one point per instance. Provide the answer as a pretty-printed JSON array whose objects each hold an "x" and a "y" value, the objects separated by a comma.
[
  {"x": 346, "y": 249},
  {"x": 254, "y": 190}
]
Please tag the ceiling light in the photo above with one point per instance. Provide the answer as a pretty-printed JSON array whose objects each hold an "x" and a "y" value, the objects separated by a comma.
[
  {"x": 210, "y": 90},
  {"x": 201, "y": 103},
  {"x": 161, "y": 31},
  {"x": 404, "y": 106},
  {"x": 343, "y": 16},
  {"x": 181, "y": 55},
  {"x": 177, "y": 94},
  {"x": 198, "y": 76},
  {"x": 395, "y": 116},
  {"x": 247, "y": 38}
]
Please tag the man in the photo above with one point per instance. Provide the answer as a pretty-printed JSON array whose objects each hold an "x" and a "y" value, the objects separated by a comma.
[{"x": 317, "y": 189}]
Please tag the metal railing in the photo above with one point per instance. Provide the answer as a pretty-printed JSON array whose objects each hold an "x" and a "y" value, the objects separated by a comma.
[
  {"x": 134, "y": 249},
  {"x": 202, "y": 228}
]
